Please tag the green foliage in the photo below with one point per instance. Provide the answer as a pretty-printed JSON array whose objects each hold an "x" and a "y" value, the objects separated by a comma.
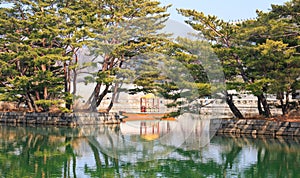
[
  {"x": 264, "y": 52},
  {"x": 178, "y": 76},
  {"x": 130, "y": 29},
  {"x": 40, "y": 42}
]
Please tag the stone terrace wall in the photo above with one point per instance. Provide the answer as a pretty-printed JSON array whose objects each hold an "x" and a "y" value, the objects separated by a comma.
[
  {"x": 68, "y": 119},
  {"x": 259, "y": 127}
]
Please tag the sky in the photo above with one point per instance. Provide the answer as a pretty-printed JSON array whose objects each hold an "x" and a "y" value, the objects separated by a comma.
[{"x": 228, "y": 10}]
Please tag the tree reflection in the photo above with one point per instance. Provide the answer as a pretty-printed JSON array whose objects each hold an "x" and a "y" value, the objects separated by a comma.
[
  {"x": 63, "y": 152},
  {"x": 32, "y": 152}
]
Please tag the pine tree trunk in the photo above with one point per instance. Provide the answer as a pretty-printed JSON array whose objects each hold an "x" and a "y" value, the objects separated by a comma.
[
  {"x": 287, "y": 106},
  {"x": 282, "y": 106},
  {"x": 44, "y": 68},
  {"x": 260, "y": 110},
  {"x": 111, "y": 104},
  {"x": 74, "y": 82},
  {"x": 233, "y": 108},
  {"x": 102, "y": 95},
  {"x": 91, "y": 103},
  {"x": 32, "y": 103},
  {"x": 45, "y": 93},
  {"x": 96, "y": 98},
  {"x": 68, "y": 102},
  {"x": 265, "y": 104},
  {"x": 28, "y": 102}
]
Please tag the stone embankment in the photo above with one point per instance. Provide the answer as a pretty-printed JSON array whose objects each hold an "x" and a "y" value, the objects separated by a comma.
[
  {"x": 67, "y": 119},
  {"x": 259, "y": 127}
]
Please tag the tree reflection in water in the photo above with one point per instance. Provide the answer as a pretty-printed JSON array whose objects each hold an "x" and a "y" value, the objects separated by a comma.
[
  {"x": 138, "y": 141},
  {"x": 35, "y": 152},
  {"x": 65, "y": 152}
]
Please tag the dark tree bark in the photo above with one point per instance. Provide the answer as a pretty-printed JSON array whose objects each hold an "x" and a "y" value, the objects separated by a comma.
[
  {"x": 284, "y": 104},
  {"x": 287, "y": 101},
  {"x": 96, "y": 98},
  {"x": 260, "y": 110},
  {"x": 28, "y": 102},
  {"x": 111, "y": 104},
  {"x": 32, "y": 106},
  {"x": 68, "y": 102},
  {"x": 236, "y": 112},
  {"x": 100, "y": 98},
  {"x": 265, "y": 105}
]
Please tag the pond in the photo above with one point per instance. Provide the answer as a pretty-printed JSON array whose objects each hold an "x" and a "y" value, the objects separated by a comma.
[{"x": 142, "y": 149}]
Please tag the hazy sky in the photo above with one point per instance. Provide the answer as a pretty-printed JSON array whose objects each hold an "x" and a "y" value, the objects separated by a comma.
[{"x": 224, "y": 9}]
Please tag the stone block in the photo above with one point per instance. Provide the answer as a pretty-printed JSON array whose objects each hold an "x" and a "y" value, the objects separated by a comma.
[
  {"x": 260, "y": 122},
  {"x": 39, "y": 121},
  {"x": 297, "y": 131},
  {"x": 241, "y": 122},
  {"x": 219, "y": 131},
  {"x": 284, "y": 133},
  {"x": 2, "y": 119},
  {"x": 263, "y": 127},
  {"x": 246, "y": 131},
  {"x": 261, "y": 132},
  {"x": 292, "y": 129},
  {"x": 282, "y": 129},
  {"x": 240, "y": 126},
  {"x": 31, "y": 121},
  {"x": 257, "y": 127},
  {"x": 250, "y": 122},
  {"x": 62, "y": 122},
  {"x": 295, "y": 124},
  {"x": 284, "y": 124},
  {"x": 21, "y": 119},
  {"x": 273, "y": 126},
  {"x": 247, "y": 127},
  {"x": 266, "y": 132},
  {"x": 11, "y": 120},
  {"x": 254, "y": 131},
  {"x": 49, "y": 122},
  {"x": 229, "y": 130}
]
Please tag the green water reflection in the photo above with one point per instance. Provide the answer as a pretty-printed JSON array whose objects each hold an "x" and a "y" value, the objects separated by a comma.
[{"x": 65, "y": 152}]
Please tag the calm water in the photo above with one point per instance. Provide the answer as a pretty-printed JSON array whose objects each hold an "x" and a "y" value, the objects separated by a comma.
[{"x": 64, "y": 152}]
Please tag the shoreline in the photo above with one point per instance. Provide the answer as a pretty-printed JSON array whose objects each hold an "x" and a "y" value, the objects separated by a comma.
[
  {"x": 281, "y": 126},
  {"x": 256, "y": 127},
  {"x": 59, "y": 119},
  {"x": 145, "y": 116}
]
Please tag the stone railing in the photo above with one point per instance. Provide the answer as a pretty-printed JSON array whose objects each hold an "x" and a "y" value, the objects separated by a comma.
[
  {"x": 68, "y": 119},
  {"x": 259, "y": 127}
]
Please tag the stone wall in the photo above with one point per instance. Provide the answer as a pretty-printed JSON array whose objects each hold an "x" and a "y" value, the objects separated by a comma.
[
  {"x": 259, "y": 127},
  {"x": 68, "y": 119}
]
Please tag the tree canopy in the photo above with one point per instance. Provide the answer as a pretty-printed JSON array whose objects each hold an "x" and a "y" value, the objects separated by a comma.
[
  {"x": 260, "y": 55},
  {"x": 41, "y": 64}
]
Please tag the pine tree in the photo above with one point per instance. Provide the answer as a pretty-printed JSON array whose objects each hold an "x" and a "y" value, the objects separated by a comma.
[
  {"x": 276, "y": 33},
  {"x": 30, "y": 50},
  {"x": 39, "y": 41},
  {"x": 261, "y": 51},
  {"x": 221, "y": 35},
  {"x": 130, "y": 28}
]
